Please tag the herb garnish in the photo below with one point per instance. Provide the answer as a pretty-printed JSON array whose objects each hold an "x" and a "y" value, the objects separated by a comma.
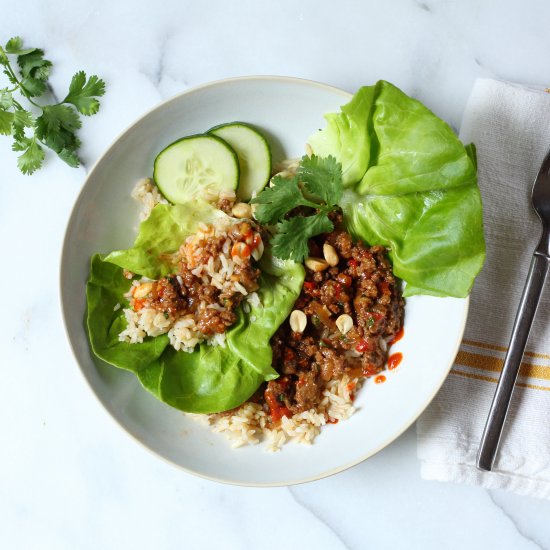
[
  {"x": 55, "y": 126},
  {"x": 317, "y": 185}
]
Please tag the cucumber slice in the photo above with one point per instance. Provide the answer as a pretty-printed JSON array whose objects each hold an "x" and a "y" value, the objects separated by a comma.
[
  {"x": 193, "y": 164},
  {"x": 254, "y": 156}
]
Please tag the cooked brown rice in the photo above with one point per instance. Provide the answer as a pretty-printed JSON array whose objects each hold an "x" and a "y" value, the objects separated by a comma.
[
  {"x": 249, "y": 424},
  {"x": 147, "y": 193}
]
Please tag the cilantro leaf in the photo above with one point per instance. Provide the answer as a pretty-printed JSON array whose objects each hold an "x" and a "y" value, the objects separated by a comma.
[
  {"x": 70, "y": 157},
  {"x": 322, "y": 177},
  {"x": 56, "y": 127},
  {"x": 21, "y": 119},
  {"x": 32, "y": 157},
  {"x": 11, "y": 78},
  {"x": 55, "y": 117},
  {"x": 317, "y": 179},
  {"x": 6, "y": 99},
  {"x": 15, "y": 46},
  {"x": 33, "y": 64},
  {"x": 83, "y": 94},
  {"x": 291, "y": 240},
  {"x": 35, "y": 71},
  {"x": 61, "y": 141},
  {"x": 33, "y": 87},
  {"x": 275, "y": 201},
  {"x": 3, "y": 58},
  {"x": 6, "y": 120}
]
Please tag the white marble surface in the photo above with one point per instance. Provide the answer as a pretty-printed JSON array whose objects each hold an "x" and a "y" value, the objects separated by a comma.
[{"x": 69, "y": 477}]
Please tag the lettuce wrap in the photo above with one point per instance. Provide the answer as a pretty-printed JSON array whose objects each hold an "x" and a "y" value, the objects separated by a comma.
[
  {"x": 411, "y": 185},
  {"x": 211, "y": 379}
]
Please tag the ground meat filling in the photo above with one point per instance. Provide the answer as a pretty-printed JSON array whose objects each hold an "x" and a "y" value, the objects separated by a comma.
[
  {"x": 185, "y": 292},
  {"x": 353, "y": 309}
]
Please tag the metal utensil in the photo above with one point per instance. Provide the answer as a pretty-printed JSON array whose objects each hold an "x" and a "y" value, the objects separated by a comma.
[{"x": 540, "y": 265}]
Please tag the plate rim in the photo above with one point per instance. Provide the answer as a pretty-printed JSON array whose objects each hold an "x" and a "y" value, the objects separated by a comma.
[{"x": 64, "y": 302}]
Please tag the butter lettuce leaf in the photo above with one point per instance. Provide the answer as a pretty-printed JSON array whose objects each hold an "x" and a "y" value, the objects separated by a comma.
[
  {"x": 347, "y": 136},
  {"x": 210, "y": 379},
  {"x": 161, "y": 235},
  {"x": 105, "y": 289},
  {"x": 413, "y": 189}
]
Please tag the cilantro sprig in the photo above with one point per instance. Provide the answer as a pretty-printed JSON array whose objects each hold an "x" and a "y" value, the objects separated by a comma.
[
  {"x": 317, "y": 185},
  {"x": 42, "y": 125}
]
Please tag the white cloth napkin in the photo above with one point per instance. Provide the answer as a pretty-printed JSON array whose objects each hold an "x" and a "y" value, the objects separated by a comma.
[{"x": 510, "y": 126}]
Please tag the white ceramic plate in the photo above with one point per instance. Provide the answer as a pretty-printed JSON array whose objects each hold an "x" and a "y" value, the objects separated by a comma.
[{"x": 105, "y": 217}]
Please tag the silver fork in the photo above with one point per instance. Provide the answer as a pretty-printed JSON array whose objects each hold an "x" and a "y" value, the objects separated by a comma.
[{"x": 522, "y": 325}]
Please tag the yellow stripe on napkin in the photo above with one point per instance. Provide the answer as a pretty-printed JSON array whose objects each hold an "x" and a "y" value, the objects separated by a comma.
[
  {"x": 495, "y": 380},
  {"x": 495, "y": 364},
  {"x": 502, "y": 348}
]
